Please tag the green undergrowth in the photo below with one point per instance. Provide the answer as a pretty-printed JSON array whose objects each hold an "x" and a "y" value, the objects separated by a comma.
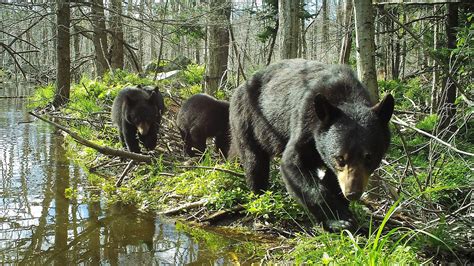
[
  {"x": 443, "y": 178},
  {"x": 219, "y": 183},
  {"x": 345, "y": 248}
]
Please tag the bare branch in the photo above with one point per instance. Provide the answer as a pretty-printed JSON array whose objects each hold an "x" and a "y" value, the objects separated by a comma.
[
  {"x": 398, "y": 121},
  {"x": 104, "y": 150}
]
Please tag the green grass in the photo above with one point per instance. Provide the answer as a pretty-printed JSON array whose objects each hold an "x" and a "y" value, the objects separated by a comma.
[{"x": 383, "y": 246}]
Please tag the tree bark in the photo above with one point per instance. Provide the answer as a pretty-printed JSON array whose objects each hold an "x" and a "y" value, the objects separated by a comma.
[
  {"x": 364, "y": 21},
  {"x": 347, "y": 39},
  {"x": 325, "y": 26},
  {"x": 141, "y": 38},
  {"x": 447, "y": 109},
  {"x": 395, "y": 55},
  {"x": 63, "y": 53},
  {"x": 218, "y": 41},
  {"x": 435, "y": 80},
  {"x": 77, "y": 55},
  {"x": 116, "y": 49},
  {"x": 100, "y": 37},
  {"x": 288, "y": 19}
]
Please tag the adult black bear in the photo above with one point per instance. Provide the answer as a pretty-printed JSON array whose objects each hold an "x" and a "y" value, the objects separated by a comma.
[
  {"x": 317, "y": 116},
  {"x": 202, "y": 117},
  {"x": 137, "y": 111}
]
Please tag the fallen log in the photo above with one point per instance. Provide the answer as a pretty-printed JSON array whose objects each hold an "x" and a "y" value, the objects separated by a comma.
[{"x": 102, "y": 149}]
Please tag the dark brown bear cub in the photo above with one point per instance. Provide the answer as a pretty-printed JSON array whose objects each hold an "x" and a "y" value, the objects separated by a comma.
[
  {"x": 318, "y": 117},
  {"x": 202, "y": 117},
  {"x": 137, "y": 113}
]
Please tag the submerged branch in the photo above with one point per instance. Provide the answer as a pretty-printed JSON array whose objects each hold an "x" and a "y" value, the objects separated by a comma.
[{"x": 102, "y": 149}]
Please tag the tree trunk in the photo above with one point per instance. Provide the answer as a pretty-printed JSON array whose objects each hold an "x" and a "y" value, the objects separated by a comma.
[
  {"x": 364, "y": 24},
  {"x": 288, "y": 19},
  {"x": 116, "y": 49},
  {"x": 347, "y": 39},
  {"x": 324, "y": 27},
  {"x": 403, "y": 50},
  {"x": 45, "y": 45},
  {"x": 435, "y": 80},
  {"x": 447, "y": 108},
  {"x": 100, "y": 37},
  {"x": 63, "y": 53},
  {"x": 380, "y": 43},
  {"x": 77, "y": 55},
  {"x": 218, "y": 41}
]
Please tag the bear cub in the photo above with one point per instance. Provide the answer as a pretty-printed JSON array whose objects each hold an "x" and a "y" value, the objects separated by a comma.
[
  {"x": 137, "y": 112},
  {"x": 318, "y": 117},
  {"x": 202, "y": 117}
]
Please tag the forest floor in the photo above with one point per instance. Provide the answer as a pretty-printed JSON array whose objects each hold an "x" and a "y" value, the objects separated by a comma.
[{"x": 418, "y": 210}]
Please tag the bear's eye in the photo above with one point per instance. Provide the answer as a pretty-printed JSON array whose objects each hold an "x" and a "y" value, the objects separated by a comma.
[
  {"x": 368, "y": 157},
  {"x": 341, "y": 162}
]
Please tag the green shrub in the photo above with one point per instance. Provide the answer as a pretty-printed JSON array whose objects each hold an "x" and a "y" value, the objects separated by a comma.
[
  {"x": 428, "y": 123},
  {"x": 274, "y": 205},
  {"x": 42, "y": 96},
  {"x": 194, "y": 74}
]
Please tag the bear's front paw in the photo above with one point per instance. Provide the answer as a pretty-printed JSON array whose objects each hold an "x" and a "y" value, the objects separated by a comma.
[{"x": 339, "y": 225}]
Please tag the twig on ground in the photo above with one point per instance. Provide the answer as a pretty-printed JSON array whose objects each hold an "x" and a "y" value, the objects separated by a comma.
[
  {"x": 184, "y": 207},
  {"x": 108, "y": 163},
  {"x": 212, "y": 168},
  {"x": 220, "y": 214},
  {"x": 124, "y": 173}
]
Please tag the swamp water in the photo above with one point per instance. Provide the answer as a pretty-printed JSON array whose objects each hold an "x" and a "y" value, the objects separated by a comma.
[{"x": 39, "y": 225}]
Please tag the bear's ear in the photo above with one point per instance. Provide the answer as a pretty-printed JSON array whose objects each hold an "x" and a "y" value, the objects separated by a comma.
[
  {"x": 154, "y": 91},
  {"x": 128, "y": 101},
  {"x": 325, "y": 111},
  {"x": 384, "y": 109}
]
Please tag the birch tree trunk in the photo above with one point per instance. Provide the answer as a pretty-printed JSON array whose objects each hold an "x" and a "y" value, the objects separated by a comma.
[
  {"x": 289, "y": 28},
  {"x": 218, "y": 41},
  {"x": 63, "y": 52},
  {"x": 365, "y": 46}
]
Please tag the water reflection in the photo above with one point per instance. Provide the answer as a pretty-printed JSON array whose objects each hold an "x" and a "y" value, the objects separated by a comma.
[{"x": 39, "y": 225}]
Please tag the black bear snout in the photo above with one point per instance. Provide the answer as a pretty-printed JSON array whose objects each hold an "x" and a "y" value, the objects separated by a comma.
[
  {"x": 354, "y": 195},
  {"x": 143, "y": 128}
]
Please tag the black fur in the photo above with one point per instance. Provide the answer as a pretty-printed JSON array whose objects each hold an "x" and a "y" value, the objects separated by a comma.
[
  {"x": 135, "y": 105},
  {"x": 310, "y": 113},
  {"x": 202, "y": 117}
]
